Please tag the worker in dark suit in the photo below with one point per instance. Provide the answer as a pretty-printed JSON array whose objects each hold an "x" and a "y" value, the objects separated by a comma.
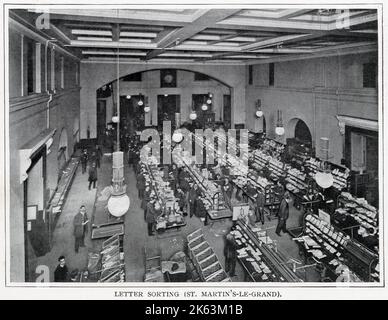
[
  {"x": 152, "y": 212},
  {"x": 80, "y": 228},
  {"x": 180, "y": 195},
  {"x": 84, "y": 160},
  {"x": 61, "y": 273},
  {"x": 193, "y": 194},
  {"x": 260, "y": 202},
  {"x": 230, "y": 254},
  {"x": 98, "y": 155},
  {"x": 283, "y": 214},
  {"x": 140, "y": 185},
  {"x": 92, "y": 176}
]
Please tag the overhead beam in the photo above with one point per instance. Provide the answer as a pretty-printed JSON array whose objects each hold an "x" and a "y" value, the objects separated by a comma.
[
  {"x": 277, "y": 40},
  {"x": 163, "y": 34},
  {"x": 325, "y": 52},
  {"x": 226, "y": 37},
  {"x": 116, "y": 32},
  {"x": 104, "y": 20},
  {"x": 291, "y": 13},
  {"x": 206, "y": 20}
]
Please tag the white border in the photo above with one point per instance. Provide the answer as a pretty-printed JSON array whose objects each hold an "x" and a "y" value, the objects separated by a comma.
[{"x": 287, "y": 291}]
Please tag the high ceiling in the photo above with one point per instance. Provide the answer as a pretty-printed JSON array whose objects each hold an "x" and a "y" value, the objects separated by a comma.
[{"x": 207, "y": 35}]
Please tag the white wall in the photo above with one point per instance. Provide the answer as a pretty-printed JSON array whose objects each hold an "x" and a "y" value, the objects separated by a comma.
[
  {"x": 186, "y": 87},
  {"x": 314, "y": 90},
  {"x": 95, "y": 75}
]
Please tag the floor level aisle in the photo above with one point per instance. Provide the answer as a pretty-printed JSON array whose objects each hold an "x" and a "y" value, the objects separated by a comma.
[
  {"x": 136, "y": 239},
  {"x": 63, "y": 239}
]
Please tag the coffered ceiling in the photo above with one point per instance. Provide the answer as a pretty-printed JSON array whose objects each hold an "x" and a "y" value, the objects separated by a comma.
[{"x": 209, "y": 35}]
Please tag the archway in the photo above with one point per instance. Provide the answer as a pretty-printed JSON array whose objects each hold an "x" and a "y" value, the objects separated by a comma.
[
  {"x": 166, "y": 90},
  {"x": 298, "y": 130}
]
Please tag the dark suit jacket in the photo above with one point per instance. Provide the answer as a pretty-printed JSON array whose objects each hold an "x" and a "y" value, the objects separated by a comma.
[
  {"x": 79, "y": 229},
  {"x": 230, "y": 249},
  {"x": 283, "y": 210},
  {"x": 151, "y": 213},
  {"x": 92, "y": 174}
]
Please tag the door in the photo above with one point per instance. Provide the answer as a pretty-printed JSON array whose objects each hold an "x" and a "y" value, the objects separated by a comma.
[
  {"x": 101, "y": 120},
  {"x": 168, "y": 105},
  {"x": 227, "y": 111}
]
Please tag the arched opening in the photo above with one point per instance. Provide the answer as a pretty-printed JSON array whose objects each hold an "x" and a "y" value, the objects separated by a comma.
[
  {"x": 298, "y": 130},
  {"x": 299, "y": 141},
  {"x": 302, "y": 133},
  {"x": 147, "y": 98}
]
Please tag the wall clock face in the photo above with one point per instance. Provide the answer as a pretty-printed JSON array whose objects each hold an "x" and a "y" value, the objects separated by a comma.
[{"x": 168, "y": 78}]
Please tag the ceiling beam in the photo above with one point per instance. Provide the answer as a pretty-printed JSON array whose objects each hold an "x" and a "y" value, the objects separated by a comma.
[
  {"x": 115, "y": 32},
  {"x": 277, "y": 40},
  {"x": 291, "y": 13},
  {"x": 226, "y": 37},
  {"x": 104, "y": 20},
  {"x": 354, "y": 48},
  {"x": 206, "y": 20},
  {"x": 163, "y": 34}
]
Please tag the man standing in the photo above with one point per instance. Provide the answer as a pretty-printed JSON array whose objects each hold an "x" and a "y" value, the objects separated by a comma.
[
  {"x": 80, "y": 228},
  {"x": 84, "y": 160},
  {"x": 260, "y": 202},
  {"x": 230, "y": 254},
  {"x": 151, "y": 214},
  {"x": 140, "y": 185},
  {"x": 283, "y": 213},
  {"x": 61, "y": 273},
  {"x": 98, "y": 156},
  {"x": 192, "y": 197},
  {"x": 92, "y": 175}
]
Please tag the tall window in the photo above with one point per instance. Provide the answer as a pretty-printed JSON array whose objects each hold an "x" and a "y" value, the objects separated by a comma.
[
  {"x": 250, "y": 74},
  {"x": 271, "y": 74},
  {"x": 369, "y": 75},
  {"x": 30, "y": 66},
  {"x": 62, "y": 72}
]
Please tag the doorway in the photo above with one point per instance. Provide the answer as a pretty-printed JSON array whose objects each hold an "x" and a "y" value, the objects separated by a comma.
[
  {"x": 36, "y": 221},
  {"x": 101, "y": 120},
  {"x": 227, "y": 114},
  {"x": 302, "y": 133},
  {"x": 132, "y": 114},
  {"x": 168, "y": 106}
]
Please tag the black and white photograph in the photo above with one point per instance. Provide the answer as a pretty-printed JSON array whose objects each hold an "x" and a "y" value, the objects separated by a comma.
[{"x": 205, "y": 150}]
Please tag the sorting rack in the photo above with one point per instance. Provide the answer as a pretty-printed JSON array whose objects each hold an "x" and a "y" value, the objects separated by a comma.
[
  {"x": 57, "y": 202},
  {"x": 204, "y": 258},
  {"x": 339, "y": 173},
  {"x": 334, "y": 244},
  {"x": 112, "y": 259},
  {"x": 274, "y": 259}
]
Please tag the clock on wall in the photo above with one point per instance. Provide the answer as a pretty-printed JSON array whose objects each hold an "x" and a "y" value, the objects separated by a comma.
[{"x": 168, "y": 78}]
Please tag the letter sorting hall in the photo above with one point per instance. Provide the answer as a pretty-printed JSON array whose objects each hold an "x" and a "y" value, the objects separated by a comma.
[{"x": 233, "y": 144}]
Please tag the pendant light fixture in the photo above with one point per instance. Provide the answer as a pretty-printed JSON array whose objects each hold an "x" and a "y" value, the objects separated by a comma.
[
  {"x": 259, "y": 112},
  {"x": 140, "y": 103},
  {"x": 119, "y": 202},
  {"x": 209, "y": 98},
  {"x": 279, "y": 130},
  {"x": 193, "y": 113},
  {"x": 177, "y": 137}
]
